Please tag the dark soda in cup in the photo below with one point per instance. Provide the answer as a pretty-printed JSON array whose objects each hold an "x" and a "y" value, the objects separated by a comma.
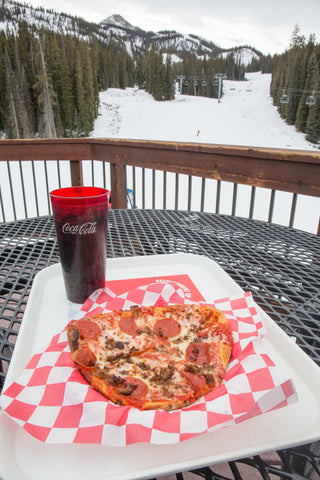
[{"x": 80, "y": 216}]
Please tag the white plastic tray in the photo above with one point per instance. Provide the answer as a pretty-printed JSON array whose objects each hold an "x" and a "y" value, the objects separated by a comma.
[{"x": 22, "y": 457}]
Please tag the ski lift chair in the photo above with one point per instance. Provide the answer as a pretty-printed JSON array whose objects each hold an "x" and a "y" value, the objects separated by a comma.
[
  {"x": 284, "y": 98},
  {"x": 311, "y": 100}
]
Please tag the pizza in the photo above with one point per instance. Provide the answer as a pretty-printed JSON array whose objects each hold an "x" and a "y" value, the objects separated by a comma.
[{"x": 153, "y": 357}]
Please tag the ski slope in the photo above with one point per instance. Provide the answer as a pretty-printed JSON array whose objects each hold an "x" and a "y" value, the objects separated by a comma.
[{"x": 245, "y": 116}]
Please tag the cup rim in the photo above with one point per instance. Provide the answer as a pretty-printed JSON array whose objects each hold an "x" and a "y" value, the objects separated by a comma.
[{"x": 100, "y": 192}]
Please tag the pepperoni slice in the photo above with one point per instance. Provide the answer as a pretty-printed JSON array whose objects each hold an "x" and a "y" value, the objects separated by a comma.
[
  {"x": 198, "y": 353},
  {"x": 85, "y": 357},
  {"x": 167, "y": 327},
  {"x": 133, "y": 387},
  {"x": 224, "y": 333},
  {"x": 88, "y": 329},
  {"x": 129, "y": 326},
  {"x": 196, "y": 382}
]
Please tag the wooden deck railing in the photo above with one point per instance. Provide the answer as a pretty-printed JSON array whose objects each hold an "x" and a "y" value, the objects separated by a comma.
[{"x": 277, "y": 169}]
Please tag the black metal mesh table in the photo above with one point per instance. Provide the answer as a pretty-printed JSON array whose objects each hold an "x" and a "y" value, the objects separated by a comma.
[{"x": 280, "y": 266}]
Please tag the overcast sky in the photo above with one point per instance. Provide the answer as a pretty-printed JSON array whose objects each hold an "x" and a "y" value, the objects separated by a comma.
[{"x": 266, "y": 25}]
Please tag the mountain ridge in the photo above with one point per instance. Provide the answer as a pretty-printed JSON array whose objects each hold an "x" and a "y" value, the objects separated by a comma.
[
  {"x": 115, "y": 28},
  {"x": 118, "y": 20}
]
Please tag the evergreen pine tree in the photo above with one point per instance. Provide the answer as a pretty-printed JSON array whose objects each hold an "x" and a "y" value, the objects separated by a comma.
[
  {"x": 94, "y": 56},
  {"x": 23, "y": 100},
  {"x": 140, "y": 72},
  {"x": 310, "y": 63},
  {"x": 18, "y": 122},
  {"x": 67, "y": 103},
  {"x": 11, "y": 122},
  {"x": 169, "y": 80},
  {"x": 150, "y": 69},
  {"x": 296, "y": 80},
  {"x": 25, "y": 40},
  {"x": 303, "y": 110},
  {"x": 313, "y": 122},
  {"x": 79, "y": 94},
  {"x": 45, "y": 97}
]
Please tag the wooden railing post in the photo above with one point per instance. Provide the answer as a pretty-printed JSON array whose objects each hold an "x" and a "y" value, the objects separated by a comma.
[
  {"x": 76, "y": 173},
  {"x": 118, "y": 186}
]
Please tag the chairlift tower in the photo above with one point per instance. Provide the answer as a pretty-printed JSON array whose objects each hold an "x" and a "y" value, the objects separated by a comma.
[
  {"x": 195, "y": 84},
  {"x": 220, "y": 77},
  {"x": 181, "y": 78}
]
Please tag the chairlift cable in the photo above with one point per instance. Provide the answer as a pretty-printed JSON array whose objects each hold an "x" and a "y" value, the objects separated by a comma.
[{"x": 292, "y": 90}]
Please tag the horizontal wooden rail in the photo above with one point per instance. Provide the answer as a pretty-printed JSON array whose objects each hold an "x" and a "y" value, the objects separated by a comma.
[
  {"x": 280, "y": 169},
  {"x": 46, "y": 149},
  {"x": 295, "y": 171},
  {"x": 287, "y": 170}
]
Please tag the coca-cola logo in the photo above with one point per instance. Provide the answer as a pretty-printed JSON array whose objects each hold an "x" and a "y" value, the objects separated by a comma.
[{"x": 75, "y": 229}]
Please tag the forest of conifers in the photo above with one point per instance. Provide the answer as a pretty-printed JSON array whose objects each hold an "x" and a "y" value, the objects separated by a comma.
[
  {"x": 295, "y": 85},
  {"x": 50, "y": 82}
]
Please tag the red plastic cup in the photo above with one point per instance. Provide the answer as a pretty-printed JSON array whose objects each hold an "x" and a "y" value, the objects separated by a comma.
[{"x": 81, "y": 218}]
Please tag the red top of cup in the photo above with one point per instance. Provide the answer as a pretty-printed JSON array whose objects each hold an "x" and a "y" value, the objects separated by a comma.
[{"x": 83, "y": 195}]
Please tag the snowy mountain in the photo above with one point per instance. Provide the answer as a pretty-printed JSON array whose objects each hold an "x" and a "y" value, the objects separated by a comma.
[
  {"x": 12, "y": 13},
  {"x": 115, "y": 28},
  {"x": 242, "y": 55},
  {"x": 138, "y": 39},
  {"x": 117, "y": 21}
]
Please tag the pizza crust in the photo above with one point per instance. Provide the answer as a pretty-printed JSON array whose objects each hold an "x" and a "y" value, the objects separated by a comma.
[{"x": 225, "y": 354}]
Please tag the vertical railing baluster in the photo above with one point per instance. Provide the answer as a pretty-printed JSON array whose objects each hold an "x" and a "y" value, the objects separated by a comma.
[
  {"x": 23, "y": 190},
  {"x": 293, "y": 209},
  {"x": 47, "y": 186},
  {"x": 92, "y": 173},
  {"x": 234, "y": 199},
  {"x": 35, "y": 188},
  {"x": 59, "y": 173},
  {"x": 252, "y": 201},
  {"x": 271, "y": 205},
  {"x": 203, "y": 192},
  {"x": 176, "y": 204},
  {"x": 11, "y": 191},
  {"x": 164, "y": 190},
  {"x": 134, "y": 185},
  {"x": 2, "y": 208},
  {"x": 153, "y": 189},
  {"x": 104, "y": 174},
  {"x": 126, "y": 186},
  {"x": 189, "y": 192},
  {"x": 218, "y": 195},
  {"x": 143, "y": 188}
]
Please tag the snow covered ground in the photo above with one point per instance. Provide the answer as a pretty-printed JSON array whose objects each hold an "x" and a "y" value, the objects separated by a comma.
[{"x": 245, "y": 116}]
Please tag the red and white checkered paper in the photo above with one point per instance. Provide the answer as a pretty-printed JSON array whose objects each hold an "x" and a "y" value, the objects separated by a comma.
[{"x": 54, "y": 403}]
